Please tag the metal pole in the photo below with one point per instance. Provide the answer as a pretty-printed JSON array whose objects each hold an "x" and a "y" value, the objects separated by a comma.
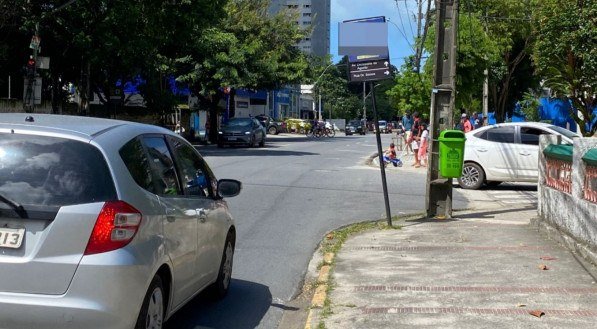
[
  {"x": 320, "y": 105},
  {"x": 380, "y": 156},
  {"x": 9, "y": 85},
  {"x": 364, "y": 102}
]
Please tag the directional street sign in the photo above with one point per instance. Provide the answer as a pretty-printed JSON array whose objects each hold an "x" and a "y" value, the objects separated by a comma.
[{"x": 369, "y": 71}]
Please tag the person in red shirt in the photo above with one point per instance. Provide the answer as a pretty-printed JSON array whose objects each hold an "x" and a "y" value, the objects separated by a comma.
[{"x": 465, "y": 123}]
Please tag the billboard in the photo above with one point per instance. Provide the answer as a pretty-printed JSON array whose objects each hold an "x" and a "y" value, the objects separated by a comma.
[{"x": 379, "y": 36}]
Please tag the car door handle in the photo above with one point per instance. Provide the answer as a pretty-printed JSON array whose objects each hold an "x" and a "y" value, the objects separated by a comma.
[
  {"x": 481, "y": 150},
  {"x": 201, "y": 214},
  {"x": 525, "y": 153}
]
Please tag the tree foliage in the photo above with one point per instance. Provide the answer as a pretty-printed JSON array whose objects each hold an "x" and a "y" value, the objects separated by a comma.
[
  {"x": 565, "y": 54},
  {"x": 247, "y": 49},
  {"x": 412, "y": 91}
]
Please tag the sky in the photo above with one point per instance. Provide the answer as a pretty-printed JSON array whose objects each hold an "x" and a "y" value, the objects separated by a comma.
[{"x": 402, "y": 26}]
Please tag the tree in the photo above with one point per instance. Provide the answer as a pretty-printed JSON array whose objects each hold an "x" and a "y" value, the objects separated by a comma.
[
  {"x": 565, "y": 54},
  {"x": 412, "y": 91},
  {"x": 247, "y": 49},
  {"x": 530, "y": 106},
  {"x": 98, "y": 44},
  {"x": 507, "y": 23},
  {"x": 494, "y": 35}
]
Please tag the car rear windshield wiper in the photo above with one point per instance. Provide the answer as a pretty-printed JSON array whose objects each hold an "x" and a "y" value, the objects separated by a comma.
[{"x": 15, "y": 206}]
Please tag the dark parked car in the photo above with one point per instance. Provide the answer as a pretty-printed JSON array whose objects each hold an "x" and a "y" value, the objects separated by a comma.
[
  {"x": 355, "y": 127},
  {"x": 272, "y": 127},
  {"x": 242, "y": 131}
]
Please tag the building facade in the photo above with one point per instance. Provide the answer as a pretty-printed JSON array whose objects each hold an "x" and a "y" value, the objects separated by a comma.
[{"x": 311, "y": 14}]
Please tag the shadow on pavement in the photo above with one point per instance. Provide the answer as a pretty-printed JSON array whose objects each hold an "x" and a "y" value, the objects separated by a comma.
[
  {"x": 243, "y": 308},
  {"x": 491, "y": 213},
  {"x": 458, "y": 215},
  {"x": 505, "y": 187}
]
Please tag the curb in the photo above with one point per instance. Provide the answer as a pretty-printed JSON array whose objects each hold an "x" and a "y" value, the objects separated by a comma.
[{"x": 320, "y": 295}]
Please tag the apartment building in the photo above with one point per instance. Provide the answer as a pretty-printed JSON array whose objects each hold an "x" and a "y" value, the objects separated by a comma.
[{"x": 314, "y": 14}]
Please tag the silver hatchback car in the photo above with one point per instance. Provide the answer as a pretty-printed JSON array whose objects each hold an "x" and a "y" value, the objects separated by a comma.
[{"x": 106, "y": 224}]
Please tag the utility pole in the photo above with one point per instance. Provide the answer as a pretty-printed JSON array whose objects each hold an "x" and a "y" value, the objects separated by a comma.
[
  {"x": 485, "y": 96},
  {"x": 438, "y": 201}
]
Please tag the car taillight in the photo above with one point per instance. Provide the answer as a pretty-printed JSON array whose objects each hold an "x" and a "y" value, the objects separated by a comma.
[{"x": 115, "y": 227}]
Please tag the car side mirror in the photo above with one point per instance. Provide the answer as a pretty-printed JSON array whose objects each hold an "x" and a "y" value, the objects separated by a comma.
[{"x": 228, "y": 188}]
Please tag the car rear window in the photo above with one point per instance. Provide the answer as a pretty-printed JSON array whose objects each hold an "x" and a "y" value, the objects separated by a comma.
[{"x": 51, "y": 171}]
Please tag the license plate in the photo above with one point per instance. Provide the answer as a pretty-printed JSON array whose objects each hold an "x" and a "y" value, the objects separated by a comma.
[
  {"x": 11, "y": 237},
  {"x": 231, "y": 138}
]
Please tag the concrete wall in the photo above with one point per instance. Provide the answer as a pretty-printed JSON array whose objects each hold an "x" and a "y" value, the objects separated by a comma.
[{"x": 568, "y": 217}]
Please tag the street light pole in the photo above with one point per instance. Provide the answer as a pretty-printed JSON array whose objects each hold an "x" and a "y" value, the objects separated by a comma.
[
  {"x": 317, "y": 81},
  {"x": 319, "y": 107}
]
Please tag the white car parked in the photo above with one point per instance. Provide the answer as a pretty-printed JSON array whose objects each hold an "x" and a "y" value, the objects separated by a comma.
[{"x": 507, "y": 152}]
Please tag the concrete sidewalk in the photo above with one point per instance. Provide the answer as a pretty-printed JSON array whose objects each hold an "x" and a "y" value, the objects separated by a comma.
[{"x": 484, "y": 269}]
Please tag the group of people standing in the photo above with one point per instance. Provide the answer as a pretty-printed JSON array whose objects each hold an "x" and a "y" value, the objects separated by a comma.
[
  {"x": 414, "y": 132},
  {"x": 467, "y": 124},
  {"x": 415, "y": 137}
]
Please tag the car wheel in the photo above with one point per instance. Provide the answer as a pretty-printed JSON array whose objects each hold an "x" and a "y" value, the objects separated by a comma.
[
  {"x": 219, "y": 289},
  {"x": 151, "y": 315},
  {"x": 273, "y": 131},
  {"x": 472, "y": 177}
]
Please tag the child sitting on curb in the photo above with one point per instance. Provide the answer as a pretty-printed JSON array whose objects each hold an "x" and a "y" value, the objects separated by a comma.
[{"x": 390, "y": 156}]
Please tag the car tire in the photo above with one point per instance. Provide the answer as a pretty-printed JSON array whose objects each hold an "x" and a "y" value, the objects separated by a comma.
[
  {"x": 152, "y": 311},
  {"x": 219, "y": 289},
  {"x": 272, "y": 130},
  {"x": 472, "y": 177}
]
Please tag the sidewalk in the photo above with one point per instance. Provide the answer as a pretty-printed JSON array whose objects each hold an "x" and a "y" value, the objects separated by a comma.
[{"x": 484, "y": 269}]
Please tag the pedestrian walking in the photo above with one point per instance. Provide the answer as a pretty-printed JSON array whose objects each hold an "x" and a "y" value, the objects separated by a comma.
[
  {"x": 407, "y": 123},
  {"x": 424, "y": 144}
]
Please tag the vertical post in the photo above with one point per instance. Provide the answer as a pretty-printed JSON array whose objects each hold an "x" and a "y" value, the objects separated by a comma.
[
  {"x": 485, "y": 96},
  {"x": 319, "y": 105},
  {"x": 9, "y": 86},
  {"x": 380, "y": 156},
  {"x": 364, "y": 102},
  {"x": 438, "y": 201}
]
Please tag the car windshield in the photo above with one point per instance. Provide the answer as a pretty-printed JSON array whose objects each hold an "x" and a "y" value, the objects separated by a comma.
[
  {"x": 50, "y": 171},
  {"x": 239, "y": 123},
  {"x": 564, "y": 132}
]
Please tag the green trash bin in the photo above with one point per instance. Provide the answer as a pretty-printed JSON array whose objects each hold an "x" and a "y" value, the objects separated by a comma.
[{"x": 451, "y": 153}]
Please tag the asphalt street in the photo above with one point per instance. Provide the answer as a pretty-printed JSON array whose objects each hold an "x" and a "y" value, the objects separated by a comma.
[{"x": 294, "y": 191}]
